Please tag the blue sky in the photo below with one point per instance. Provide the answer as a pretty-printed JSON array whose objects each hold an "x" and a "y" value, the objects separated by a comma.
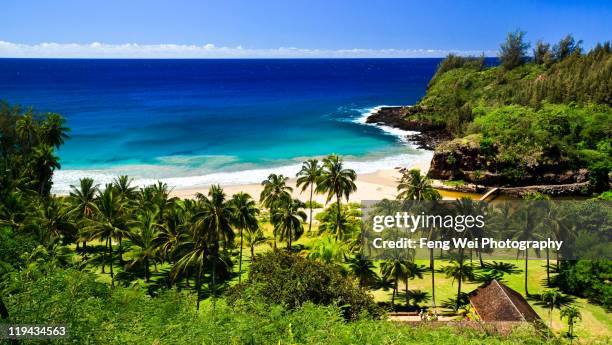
[{"x": 192, "y": 28}]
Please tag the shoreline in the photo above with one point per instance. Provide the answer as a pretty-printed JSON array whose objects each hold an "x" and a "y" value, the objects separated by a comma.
[{"x": 370, "y": 186}]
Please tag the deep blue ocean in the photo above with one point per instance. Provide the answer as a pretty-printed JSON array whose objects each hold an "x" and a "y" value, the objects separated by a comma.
[{"x": 196, "y": 122}]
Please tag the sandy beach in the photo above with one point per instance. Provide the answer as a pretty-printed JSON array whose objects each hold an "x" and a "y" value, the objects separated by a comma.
[{"x": 371, "y": 186}]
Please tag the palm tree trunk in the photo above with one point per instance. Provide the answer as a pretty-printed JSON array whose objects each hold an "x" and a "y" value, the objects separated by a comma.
[
  {"x": 460, "y": 279},
  {"x": 433, "y": 279},
  {"x": 310, "y": 218},
  {"x": 214, "y": 277},
  {"x": 240, "y": 260},
  {"x": 104, "y": 254},
  {"x": 547, "y": 267},
  {"x": 480, "y": 258},
  {"x": 146, "y": 263},
  {"x": 338, "y": 230},
  {"x": 289, "y": 242},
  {"x": 198, "y": 284},
  {"x": 407, "y": 297},
  {"x": 110, "y": 260},
  {"x": 252, "y": 253},
  {"x": 121, "y": 250},
  {"x": 526, "y": 268}
]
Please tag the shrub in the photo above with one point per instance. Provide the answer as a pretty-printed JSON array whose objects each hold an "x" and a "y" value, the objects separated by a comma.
[{"x": 290, "y": 280}]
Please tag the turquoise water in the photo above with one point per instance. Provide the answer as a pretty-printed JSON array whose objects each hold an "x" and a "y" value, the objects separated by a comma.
[{"x": 197, "y": 122}]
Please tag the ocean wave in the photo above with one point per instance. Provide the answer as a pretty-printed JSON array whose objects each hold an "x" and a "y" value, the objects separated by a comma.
[
  {"x": 64, "y": 178},
  {"x": 401, "y": 134},
  {"x": 184, "y": 175}
]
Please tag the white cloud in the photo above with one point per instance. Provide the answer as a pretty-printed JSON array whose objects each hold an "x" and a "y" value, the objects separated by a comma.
[{"x": 135, "y": 50}]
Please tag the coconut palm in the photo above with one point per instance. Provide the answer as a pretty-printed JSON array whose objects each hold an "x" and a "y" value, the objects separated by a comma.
[
  {"x": 572, "y": 314},
  {"x": 288, "y": 221},
  {"x": 109, "y": 223},
  {"x": 125, "y": 188},
  {"x": 44, "y": 163},
  {"x": 551, "y": 298},
  {"x": 174, "y": 232},
  {"x": 254, "y": 238},
  {"x": 460, "y": 273},
  {"x": 393, "y": 269},
  {"x": 213, "y": 225},
  {"x": 83, "y": 202},
  {"x": 275, "y": 193},
  {"x": 53, "y": 131},
  {"x": 363, "y": 269},
  {"x": 414, "y": 186},
  {"x": 337, "y": 182},
  {"x": 143, "y": 235},
  {"x": 412, "y": 271},
  {"x": 245, "y": 218},
  {"x": 307, "y": 177},
  {"x": 25, "y": 128}
]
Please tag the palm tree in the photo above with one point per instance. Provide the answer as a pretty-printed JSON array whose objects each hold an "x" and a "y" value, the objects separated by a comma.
[
  {"x": 275, "y": 193},
  {"x": 174, "y": 232},
  {"x": 123, "y": 185},
  {"x": 551, "y": 299},
  {"x": 393, "y": 269},
  {"x": 288, "y": 219},
  {"x": 245, "y": 218},
  {"x": 83, "y": 203},
  {"x": 254, "y": 238},
  {"x": 307, "y": 177},
  {"x": 573, "y": 315},
  {"x": 412, "y": 271},
  {"x": 143, "y": 236},
  {"x": 44, "y": 163},
  {"x": 52, "y": 130},
  {"x": 364, "y": 271},
  {"x": 213, "y": 224},
  {"x": 25, "y": 128},
  {"x": 109, "y": 223},
  {"x": 336, "y": 181},
  {"x": 459, "y": 272},
  {"x": 414, "y": 186},
  {"x": 56, "y": 223}
]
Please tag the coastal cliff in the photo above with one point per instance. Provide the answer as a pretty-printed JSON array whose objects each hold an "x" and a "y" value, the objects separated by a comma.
[{"x": 532, "y": 124}]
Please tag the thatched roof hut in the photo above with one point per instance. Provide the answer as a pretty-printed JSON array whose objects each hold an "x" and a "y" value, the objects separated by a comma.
[{"x": 497, "y": 302}]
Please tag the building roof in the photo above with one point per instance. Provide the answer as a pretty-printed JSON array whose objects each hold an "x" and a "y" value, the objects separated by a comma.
[{"x": 497, "y": 302}]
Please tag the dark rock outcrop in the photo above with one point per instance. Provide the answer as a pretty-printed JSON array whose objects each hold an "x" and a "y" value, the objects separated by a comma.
[
  {"x": 429, "y": 135},
  {"x": 463, "y": 159}
]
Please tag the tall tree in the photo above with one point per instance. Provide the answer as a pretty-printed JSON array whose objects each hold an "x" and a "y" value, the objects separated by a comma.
[
  {"x": 513, "y": 52},
  {"x": 53, "y": 131},
  {"x": 288, "y": 219},
  {"x": 213, "y": 223},
  {"x": 307, "y": 178},
  {"x": 109, "y": 223},
  {"x": 394, "y": 269},
  {"x": 275, "y": 193},
  {"x": 363, "y": 270},
  {"x": 143, "y": 235},
  {"x": 417, "y": 187},
  {"x": 335, "y": 180},
  {"x": 245, "y": 219},
  {"x": 83, "y": 203},
  {"x": 44, "y": 162}
]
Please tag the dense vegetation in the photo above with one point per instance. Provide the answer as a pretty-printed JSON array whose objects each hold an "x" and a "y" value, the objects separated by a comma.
[
  {"x": 543, "y": 114},
  {"x": 131, "y": 264}
]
